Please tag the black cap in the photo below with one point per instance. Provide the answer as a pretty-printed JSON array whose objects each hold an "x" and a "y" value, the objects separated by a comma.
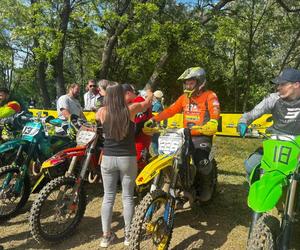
[
  {"x": 5, "y": 90},
  {"x": 287, "y": 75}
]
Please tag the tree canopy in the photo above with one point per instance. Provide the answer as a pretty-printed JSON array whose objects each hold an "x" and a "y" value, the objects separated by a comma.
[{"x": 242, "y": 44}]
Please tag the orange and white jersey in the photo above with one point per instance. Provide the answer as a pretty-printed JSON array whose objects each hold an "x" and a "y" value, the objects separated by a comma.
[{"x": 197, "y": 110}]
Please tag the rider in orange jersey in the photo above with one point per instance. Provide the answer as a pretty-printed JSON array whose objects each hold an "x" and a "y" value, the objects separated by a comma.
[{"x": 201, "y": 109}]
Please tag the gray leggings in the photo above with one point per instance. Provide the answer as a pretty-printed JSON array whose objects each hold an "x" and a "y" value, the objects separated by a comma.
[{"x": 113, "y": 168}]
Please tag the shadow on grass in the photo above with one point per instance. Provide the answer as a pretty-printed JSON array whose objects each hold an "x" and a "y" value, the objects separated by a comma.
[
  {"x": 88, "y": 230},
  {"x": 215, "y": 221},
  {"x": 224, "y": 172}
]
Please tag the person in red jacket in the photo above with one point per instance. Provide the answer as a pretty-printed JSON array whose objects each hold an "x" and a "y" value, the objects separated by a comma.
[
  {"x": 201, "y": 111},
  {"x": 142, "y": 141}
]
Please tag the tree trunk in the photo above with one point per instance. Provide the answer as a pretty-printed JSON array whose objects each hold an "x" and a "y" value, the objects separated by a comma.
[
  {"x": 114, "y": 33},
  {"x": 158, "y": 68},
  {"x": 106, "y": 56},
  {"x": 292, "y": 47},
  {"x": 58, "y": 61},
  {"x": 58, "y": 65},
  {"x": 80, "y": 60},
  {"x": 41, "y": 82},
  {"x": 40, "y": 70}
]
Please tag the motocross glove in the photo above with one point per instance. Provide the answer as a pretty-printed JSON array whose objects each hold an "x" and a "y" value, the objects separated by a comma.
[
  {"x": 242, "y": 129},
  {"x": 149, "y": 124},
  {"x": 149, "y": 127},
  {"x": 209, "y": 128}
]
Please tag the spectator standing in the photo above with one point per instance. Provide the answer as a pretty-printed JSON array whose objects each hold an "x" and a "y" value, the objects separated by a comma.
[
  {"x": 91, "y": 96},
  {"x": 31, "y": 103},
  {"x": 157, "y": 105},
  {"x": 142, "y": 141},
  {"x": 102, "y": 85},
  {"x": 68, "y": 104},
  {"x": 119, "y": 156}
]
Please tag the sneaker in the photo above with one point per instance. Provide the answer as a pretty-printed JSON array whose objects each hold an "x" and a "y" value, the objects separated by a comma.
[
  {"x": 106, "y": 241},
  {"x": 126, "y": 241}
]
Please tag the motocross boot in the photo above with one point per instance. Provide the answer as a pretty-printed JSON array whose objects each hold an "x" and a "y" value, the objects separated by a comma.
[{"x": 206, "y": 181}]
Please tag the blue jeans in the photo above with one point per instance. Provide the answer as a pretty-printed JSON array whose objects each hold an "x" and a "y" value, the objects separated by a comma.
[{"x": 114, "y": 168}]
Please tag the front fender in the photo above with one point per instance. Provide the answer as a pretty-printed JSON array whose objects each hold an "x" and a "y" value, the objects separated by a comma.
[
  {"x": 12, "y": 144},
  {"x": 153, "y": 168},
  {"x": 265, "y": 193}
]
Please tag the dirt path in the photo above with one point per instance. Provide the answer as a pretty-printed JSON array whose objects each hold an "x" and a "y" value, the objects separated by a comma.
[{"x": 221, "y": 225}]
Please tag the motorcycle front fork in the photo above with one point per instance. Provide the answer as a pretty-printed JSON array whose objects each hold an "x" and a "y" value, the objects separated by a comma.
[
  {"x": 255, "y": 217},
  {"x": 21, "y": 176},
  {"x": 284, "y": 238}
]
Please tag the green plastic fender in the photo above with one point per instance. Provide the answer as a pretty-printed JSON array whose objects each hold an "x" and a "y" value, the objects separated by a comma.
[
  {"x": 265, "y": 193},
  {"x": 9, "y": 145}
]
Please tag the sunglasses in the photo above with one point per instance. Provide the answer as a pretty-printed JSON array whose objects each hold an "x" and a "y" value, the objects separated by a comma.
[{"x": 93, "y": 86}]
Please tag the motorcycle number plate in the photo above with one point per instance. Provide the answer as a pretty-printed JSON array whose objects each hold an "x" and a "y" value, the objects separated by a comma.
[
  {"x": 30, "y": 131},
  {"x": 169, "y": 143},
  {"x": 84, "y": 137}
]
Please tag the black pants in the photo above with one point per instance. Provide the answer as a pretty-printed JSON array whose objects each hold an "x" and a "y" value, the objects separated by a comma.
[{"x": 202, "y": 147}]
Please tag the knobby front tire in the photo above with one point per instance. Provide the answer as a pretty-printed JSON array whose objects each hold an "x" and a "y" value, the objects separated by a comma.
[
  {"x": 49, "y": 211},
  {"x": 264, "y": 233},
  {"x": 140, "y": 223},
  {"x": 11, "y": 200}
]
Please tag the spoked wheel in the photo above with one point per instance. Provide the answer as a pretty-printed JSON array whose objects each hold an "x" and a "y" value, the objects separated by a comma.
[
  {"x": 14, "y": 191},
  {"x": 57, "y": 210},
  {"x": 152, "y": 225}
]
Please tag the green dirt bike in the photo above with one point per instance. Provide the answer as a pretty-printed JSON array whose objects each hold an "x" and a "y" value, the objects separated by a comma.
[
  {"x": 33, "y": 147},
  {"x": 10, "y": 129},
  {"x": 273, "y": 182},
  {"x": 173, "y": 177}
]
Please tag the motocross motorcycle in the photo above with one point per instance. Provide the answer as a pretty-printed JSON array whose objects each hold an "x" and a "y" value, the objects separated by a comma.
[
  {"x": 33, "y": 147},
  {"x": 274, "y": 184},
  {"x": 61, "y": 203},
  {"x": 10, "y": 128},
  {"x": 64, "y": 162},
  {"x": 172, "y": 176}
]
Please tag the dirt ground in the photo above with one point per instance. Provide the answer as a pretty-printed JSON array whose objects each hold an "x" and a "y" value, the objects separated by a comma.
[{"x": 223, "y": 224}]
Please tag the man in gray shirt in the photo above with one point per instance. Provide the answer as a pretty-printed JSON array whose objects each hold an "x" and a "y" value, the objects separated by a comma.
[
  {"x": 68, "y": 104},
  {"x": 284, "y": 107}
]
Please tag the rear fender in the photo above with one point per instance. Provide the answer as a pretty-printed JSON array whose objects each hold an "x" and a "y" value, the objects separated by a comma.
[
  {"x": 153, "y": 168},
  {"x": 265, "y": 193},
  {"x": 63, "y": 155},
  {"x": 12, "y": 144}
]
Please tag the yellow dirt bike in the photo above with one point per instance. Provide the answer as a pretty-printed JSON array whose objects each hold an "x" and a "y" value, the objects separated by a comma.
[{"x": 173, "y": 176}]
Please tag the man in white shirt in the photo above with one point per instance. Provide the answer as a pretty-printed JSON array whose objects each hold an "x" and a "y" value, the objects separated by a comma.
[
  {"x": 91, "y": 96},
  {"x": 68, "y": 104}
]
